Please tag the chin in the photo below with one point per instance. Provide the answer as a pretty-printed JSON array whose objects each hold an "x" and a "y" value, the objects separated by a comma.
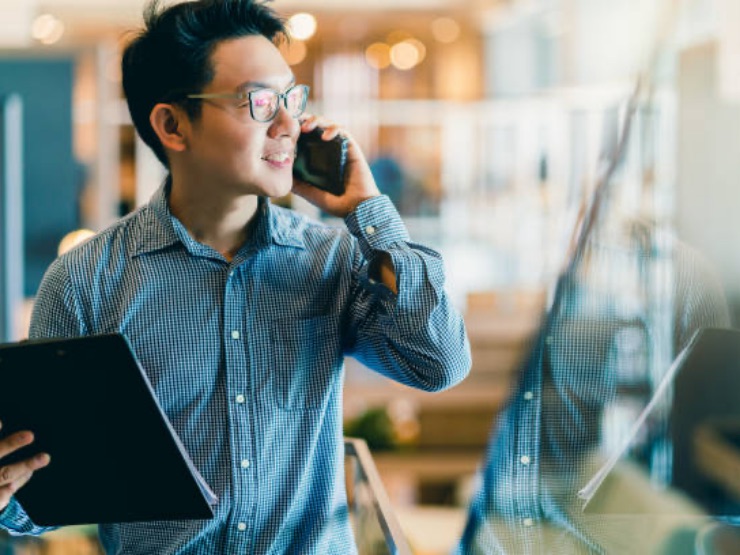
[{"x": 277, "y": 190}]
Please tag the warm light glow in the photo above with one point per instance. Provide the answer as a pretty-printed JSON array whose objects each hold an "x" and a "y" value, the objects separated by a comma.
[
  {"x": 378, "y": 55},
  {"x": 294, "y": 52},
  {"x": 72, "y": 239},
  {"x": 398, "y": 35},
  {"x": 445, "y": 29},
  {"x": 47, "y": 29},
  {"x": 420, "y": 48},
  {"x": 405, "y": 55},
  {"x": 302, "y": 26}
]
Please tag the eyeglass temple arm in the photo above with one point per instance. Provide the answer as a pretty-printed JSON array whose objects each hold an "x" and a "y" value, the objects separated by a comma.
[{"x": 218, "y": 95}]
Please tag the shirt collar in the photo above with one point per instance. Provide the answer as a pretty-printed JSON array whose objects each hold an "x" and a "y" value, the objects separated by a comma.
[{"x": 160, "y": 229}]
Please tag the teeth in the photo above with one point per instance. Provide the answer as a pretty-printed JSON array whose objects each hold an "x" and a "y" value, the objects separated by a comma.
[{"x": 278, "y": 157}]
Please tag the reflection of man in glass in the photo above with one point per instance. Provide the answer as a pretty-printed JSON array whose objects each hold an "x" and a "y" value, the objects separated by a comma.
[{"x": 626, "y": 297}]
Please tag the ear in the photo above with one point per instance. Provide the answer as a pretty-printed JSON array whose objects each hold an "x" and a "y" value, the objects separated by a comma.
[{"x": 170, "y": 124}]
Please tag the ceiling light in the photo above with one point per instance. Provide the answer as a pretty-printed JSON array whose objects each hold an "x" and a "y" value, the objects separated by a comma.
[
  {"x": 445, "y": 29},
  {"x": 420, "y": 48},
  {"x": 302, "y": 26},
  {"x": 47, "y": 29},
  {"x": 405, "y": 55},
  {"x": 378, "y": 55}
]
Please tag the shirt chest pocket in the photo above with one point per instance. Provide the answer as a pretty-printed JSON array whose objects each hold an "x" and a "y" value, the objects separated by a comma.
[{"x": 306, "y": 359}]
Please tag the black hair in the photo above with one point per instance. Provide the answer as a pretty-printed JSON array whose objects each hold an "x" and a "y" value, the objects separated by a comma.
[{"x": 171, "y": 57}]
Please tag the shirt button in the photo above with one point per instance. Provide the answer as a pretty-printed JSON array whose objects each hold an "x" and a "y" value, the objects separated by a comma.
[
  {"x": 240, "y": 399},
  {"x": 245, "y": 463},
  {"x": 235, "y": 334},
  {"x": 242, "y": 526},
  {"x": 525, "y": 460},
  {"x": 528, "y": 522},
  {"x": 370, "y": 230},
  {"x": 548, "y": 340},
  {"x": 528, "y": 396}
]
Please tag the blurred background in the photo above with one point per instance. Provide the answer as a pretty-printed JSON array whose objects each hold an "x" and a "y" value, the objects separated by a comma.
[{"x": 488, "y": 122}]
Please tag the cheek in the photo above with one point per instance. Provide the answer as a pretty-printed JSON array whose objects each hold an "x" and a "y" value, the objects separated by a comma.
[{"x": 242, "y": 150}]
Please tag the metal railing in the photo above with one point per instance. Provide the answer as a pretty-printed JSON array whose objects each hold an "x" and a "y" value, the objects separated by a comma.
[{"x": 377, "y": 530}]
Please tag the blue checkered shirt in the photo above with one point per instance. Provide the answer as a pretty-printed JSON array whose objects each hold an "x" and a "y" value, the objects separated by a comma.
[{"x": 246, "y": 358}]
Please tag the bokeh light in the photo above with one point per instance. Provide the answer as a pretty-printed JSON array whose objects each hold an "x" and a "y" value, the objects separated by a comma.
[
  {"x": 406, "y": 54},
  {"x": 47, "y": 29},
  {"x": 445, "y": 30},
  {"x": 302, "y": 26},
  {"x": 378, "y": 55},
  {"x": 294, "y": 52}
]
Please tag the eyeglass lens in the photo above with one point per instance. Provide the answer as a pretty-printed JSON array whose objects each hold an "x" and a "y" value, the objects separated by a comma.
[{"x": 265, "y": 102}]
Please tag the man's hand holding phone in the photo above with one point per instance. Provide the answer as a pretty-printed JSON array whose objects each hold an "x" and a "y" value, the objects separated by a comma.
[
  {"x": 359, "y": 184},
  {"x": 13, "y": 476}
]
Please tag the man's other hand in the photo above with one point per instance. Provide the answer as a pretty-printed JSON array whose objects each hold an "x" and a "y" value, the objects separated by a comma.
[{"x": 14, "y": 476}]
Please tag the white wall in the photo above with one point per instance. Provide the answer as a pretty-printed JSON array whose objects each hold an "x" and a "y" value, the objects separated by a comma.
[{"x": 708, "y": 190}]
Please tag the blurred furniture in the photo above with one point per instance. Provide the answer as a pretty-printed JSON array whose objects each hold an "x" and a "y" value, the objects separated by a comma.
[{"x": 717, "y": 454}]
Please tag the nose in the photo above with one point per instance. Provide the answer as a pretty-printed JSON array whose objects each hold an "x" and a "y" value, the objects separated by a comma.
[{"x": 283, "y": 124}]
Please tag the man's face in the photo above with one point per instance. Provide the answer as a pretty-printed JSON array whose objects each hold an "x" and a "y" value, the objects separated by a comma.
[{"x": 227, "y": 148}]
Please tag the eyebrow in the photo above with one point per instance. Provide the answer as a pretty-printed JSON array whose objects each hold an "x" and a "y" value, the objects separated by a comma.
[{"x": 262, "y": 85}]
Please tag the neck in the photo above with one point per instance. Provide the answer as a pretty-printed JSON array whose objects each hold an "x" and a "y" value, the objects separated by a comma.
[{"x": 223, "y": 223}]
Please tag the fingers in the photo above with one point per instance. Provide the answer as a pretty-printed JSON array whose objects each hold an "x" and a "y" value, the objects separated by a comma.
[
  {"x": 14, "y": 476},
  {"x": 309, "y": 122},
  {"x": 7, "y": 491},
  {"x": 312, "y": 194},
  {"x": 12, "y": 473},
  {"x": 14, "y": 442}
]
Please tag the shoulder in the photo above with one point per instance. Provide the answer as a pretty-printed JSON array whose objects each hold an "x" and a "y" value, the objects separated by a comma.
[
  {"x": 290, "y": 225},
  {"x": 118, "y": 241}
]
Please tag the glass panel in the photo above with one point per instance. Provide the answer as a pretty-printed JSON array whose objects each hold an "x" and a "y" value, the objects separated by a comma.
[{"x": 621, "y": 433}]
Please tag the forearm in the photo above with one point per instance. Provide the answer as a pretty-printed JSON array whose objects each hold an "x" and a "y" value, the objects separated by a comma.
[{"x": 404, "y": 323}]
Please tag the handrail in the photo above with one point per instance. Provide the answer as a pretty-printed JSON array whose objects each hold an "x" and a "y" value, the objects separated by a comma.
[{"x": 394, "y": 537}]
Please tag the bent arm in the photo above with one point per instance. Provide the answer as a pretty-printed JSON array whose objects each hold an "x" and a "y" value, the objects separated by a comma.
[{"x": 410, "y": 333}]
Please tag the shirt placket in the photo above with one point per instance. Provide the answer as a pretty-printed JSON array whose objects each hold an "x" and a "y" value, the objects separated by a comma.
[
  {"x": 526, "y": 454},
  {"x": 239, "y": 400}
]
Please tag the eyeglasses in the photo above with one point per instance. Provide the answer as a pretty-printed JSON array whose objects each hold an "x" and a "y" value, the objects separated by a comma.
[{"x": 264, "y": 104}]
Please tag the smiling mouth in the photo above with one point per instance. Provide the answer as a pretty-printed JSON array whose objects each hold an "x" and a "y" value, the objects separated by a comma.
[{"x": 278, "y": 157}]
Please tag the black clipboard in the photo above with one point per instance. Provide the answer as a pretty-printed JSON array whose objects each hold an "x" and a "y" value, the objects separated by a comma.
[{"x": 114, "y": 454}]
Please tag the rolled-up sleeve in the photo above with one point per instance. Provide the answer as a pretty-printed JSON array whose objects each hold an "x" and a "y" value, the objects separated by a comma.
[{"x": 415, "y": 336}]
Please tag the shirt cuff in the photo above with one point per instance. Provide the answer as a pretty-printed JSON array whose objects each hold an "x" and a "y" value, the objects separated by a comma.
[
  {"x": 13, "y": 517},
  {"x": 377, "y": 225}
]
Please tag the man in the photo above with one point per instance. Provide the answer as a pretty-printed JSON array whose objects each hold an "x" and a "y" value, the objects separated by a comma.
[{"x": 241, "y": 312}]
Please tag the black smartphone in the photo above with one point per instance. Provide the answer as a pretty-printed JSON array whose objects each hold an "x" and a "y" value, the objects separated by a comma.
[{"x": 321, "y": 163}]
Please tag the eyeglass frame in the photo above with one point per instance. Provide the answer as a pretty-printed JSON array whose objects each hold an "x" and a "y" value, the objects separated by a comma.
[{"x": 247, "y": 95}]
